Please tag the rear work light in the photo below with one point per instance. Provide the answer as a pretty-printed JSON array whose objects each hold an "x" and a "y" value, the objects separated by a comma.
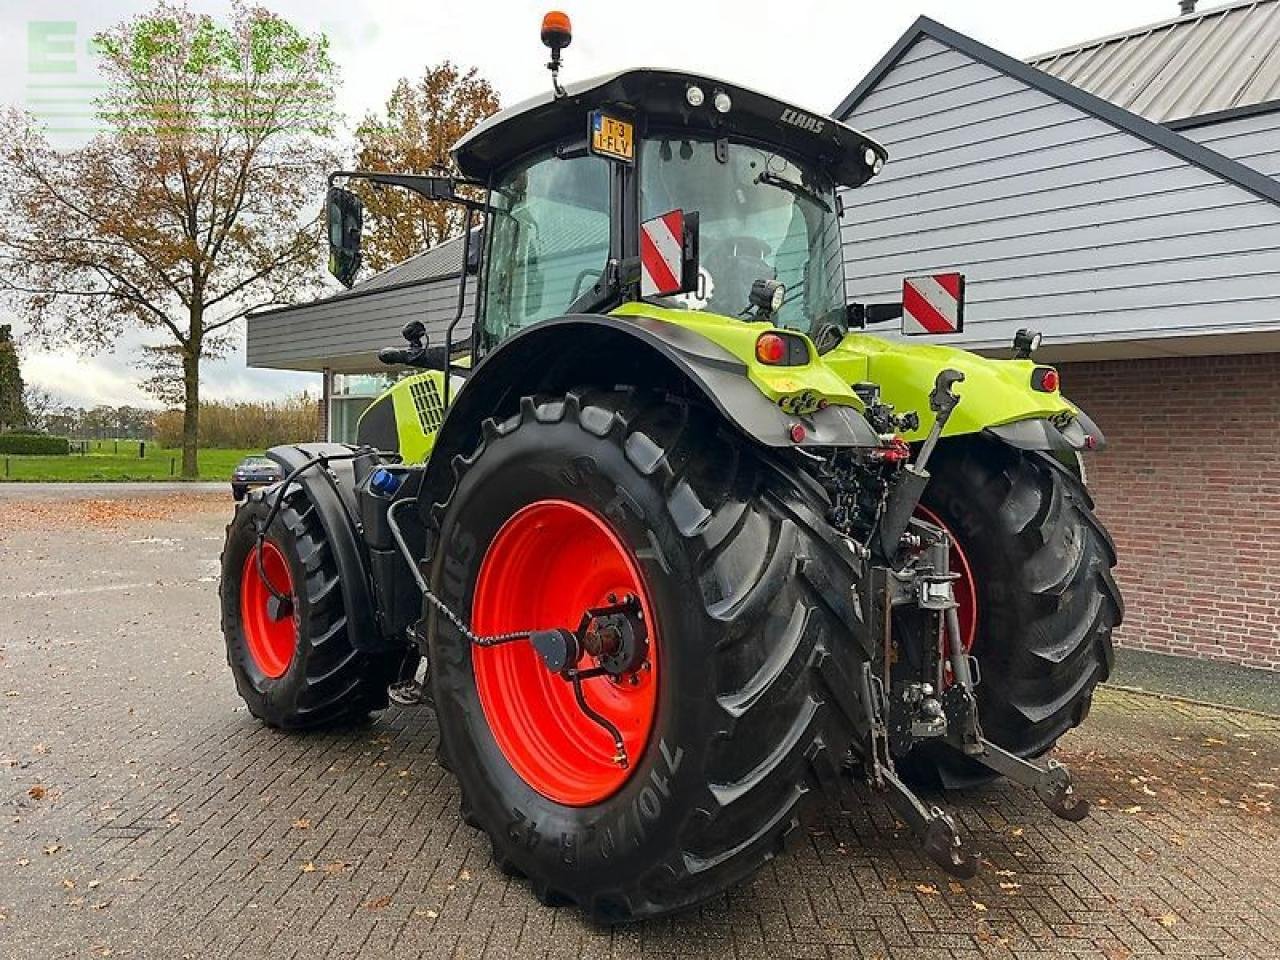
[
  {"x": 1044, "y": 379},
  {"x": 782, "y": 350}
]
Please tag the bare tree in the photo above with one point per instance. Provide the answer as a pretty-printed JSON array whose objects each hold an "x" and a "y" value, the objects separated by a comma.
[
  {"x": 183, "y": 214},
  {"x": 39, "y": 406}
]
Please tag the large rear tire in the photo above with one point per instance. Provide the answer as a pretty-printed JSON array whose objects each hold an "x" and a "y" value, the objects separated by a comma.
[
  {"x": 1041, "y": 600},
  {"x": 745, "y": 608},
  {"x": 293, "y": 668}
]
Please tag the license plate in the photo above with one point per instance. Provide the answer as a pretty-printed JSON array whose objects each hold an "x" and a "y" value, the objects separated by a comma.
[{"x": 611, "y": 137}]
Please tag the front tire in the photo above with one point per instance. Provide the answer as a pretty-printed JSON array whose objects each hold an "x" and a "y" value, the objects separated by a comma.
[
  {"x": 294, "y": 668},
  {"x": 742, "y": 729},
  {"x": 1037, "y": 597}
]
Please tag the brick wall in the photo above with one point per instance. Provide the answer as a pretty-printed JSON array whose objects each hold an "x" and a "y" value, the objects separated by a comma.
[{"x": 1190, "y": 488}]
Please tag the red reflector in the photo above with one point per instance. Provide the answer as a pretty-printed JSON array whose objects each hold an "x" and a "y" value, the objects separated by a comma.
[
  {"x": 771, "y": 349},
  {"x": 798, "y": 433}
]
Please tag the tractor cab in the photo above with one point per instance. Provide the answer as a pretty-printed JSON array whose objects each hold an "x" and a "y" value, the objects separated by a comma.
[
  {"x": 578, "y": 182},
  {"x": 667, "y": 186}
]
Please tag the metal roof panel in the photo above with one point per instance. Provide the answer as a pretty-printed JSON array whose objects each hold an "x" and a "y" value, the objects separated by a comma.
[{"x": 1216, "y": 59}]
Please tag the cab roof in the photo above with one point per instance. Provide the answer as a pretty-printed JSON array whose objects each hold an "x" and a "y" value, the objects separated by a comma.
[{"x": 656, "y": 99}]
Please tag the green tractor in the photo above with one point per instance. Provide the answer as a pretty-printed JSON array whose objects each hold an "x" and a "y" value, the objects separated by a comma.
[{"x": 670, "y": 545}]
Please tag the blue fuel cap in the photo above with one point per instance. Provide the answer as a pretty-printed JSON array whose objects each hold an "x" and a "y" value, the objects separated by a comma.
[{"x": 384, "y": 482}]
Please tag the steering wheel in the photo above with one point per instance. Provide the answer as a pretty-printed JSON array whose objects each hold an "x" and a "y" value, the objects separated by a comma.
[{"x": 735, "y": 262}]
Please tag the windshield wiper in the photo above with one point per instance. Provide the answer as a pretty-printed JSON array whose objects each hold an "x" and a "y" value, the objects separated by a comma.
[{"x": 798, "y": 189}]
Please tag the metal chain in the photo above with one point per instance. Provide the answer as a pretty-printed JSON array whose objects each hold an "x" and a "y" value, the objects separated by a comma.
[{"x": 479, "y": 641}]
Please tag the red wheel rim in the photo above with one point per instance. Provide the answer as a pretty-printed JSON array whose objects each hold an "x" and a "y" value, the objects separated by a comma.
[
  {"x": 551, "y": 561},
  {"x": 271, "y": 642},
  {"x": 964, "y": 586}
]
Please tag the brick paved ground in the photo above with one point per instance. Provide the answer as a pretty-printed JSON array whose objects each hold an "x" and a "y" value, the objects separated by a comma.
[{"x": 144, "y": 814}]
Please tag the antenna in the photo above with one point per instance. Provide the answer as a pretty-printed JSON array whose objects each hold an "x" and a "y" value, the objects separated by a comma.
[{"x": 557, "y": 33}]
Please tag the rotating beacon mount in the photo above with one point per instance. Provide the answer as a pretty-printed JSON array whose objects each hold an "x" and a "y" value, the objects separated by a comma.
[{"x": 557, "y": 33}]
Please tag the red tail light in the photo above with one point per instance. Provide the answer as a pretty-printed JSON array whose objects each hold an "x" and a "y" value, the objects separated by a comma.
[
  {"x": 1044, "y": 379},
  {"x": 771, "y": 349},
  {"x": 782, "y": 350}
]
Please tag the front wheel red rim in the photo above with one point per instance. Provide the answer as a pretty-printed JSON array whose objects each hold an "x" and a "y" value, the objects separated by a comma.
[
  {"x": 549, "y": 562},
  {"x": 271, "y": 640}
]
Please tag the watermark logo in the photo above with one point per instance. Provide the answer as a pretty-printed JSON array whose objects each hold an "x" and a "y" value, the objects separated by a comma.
[{"x": 61, "y": 80}]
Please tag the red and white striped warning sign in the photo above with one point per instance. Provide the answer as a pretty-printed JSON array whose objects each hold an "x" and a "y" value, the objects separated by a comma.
[
  {"x": 933, "y": 304},
  {"x": 661, "y": 254}
]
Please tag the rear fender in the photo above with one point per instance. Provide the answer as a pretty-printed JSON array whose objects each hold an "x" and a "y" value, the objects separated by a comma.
[{"x": 589, "y": 350}]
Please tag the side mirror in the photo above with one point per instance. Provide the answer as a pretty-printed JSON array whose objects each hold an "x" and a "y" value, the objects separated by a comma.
[
  {"x": 344, "y": 213},
  {"x": 933, "y": 304},
  {"x": 669, "y": 254}
]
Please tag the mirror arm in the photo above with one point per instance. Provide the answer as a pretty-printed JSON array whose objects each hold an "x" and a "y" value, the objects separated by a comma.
[{"x": 431, "y": 188}]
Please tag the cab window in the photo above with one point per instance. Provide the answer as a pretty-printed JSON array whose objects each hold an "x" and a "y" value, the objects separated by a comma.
[{"x": 550, "y": 240}]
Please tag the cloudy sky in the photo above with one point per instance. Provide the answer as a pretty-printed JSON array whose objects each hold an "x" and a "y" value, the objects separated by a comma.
[{"x": 809, "y": 51}]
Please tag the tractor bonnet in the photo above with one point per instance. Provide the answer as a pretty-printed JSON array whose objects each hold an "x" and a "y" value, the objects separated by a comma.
[{"x": 660, "y": 100}]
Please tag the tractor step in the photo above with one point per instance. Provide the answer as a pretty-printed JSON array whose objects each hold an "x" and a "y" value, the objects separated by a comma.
[{"x": 414, "y": 691}]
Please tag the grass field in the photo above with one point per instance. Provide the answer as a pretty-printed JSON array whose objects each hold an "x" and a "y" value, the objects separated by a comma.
[{"x": 117, "y": 460}]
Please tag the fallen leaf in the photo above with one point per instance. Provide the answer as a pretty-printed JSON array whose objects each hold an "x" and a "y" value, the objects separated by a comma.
[
  {"x": 336, "y": 867},
  {"x": 1006, "y": 885},
  {"x": 429, "y": 914},
  {"x": 1167, "y": 920},
  {"x": 379, "y": 904},
  {"x": 24, "y": 862},
  {"x": 464, "y": 875},
  {"x": 51, "y": 849},
  {"x": 94, "y": 884},
  {"x": 302, "y": 824},
  {"x": 1176, "y": 841},
  {"x": 956, "y": 887},
  {"x": 980, "y": 907},
  {"x": 928, "y": 889},
  {"x": 37, "y": 792},
  {"x": 1004, "y": 873},
  {"x": 308, "y": 867},
  {"x": 1016, "y": 832},
  {"x": 69, "y": 883},
  {"x": 1134, "y": 809}
]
